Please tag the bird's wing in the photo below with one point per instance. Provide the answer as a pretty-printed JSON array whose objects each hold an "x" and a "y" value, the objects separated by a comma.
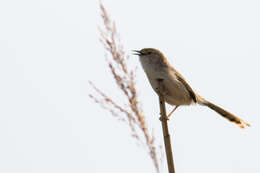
[{"x": 186, "y": 85}]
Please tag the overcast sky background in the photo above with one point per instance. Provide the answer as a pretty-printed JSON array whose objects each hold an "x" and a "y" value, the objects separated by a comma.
[{"x": 50, "y": 49}]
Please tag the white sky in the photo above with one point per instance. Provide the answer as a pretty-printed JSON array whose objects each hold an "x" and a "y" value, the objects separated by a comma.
[{"x": 49, "y": 50}]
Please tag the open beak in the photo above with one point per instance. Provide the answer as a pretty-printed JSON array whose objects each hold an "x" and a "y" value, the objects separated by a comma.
[{"x": 137, "y": 52}]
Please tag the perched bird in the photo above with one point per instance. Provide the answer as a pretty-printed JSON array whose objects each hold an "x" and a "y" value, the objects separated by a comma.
[{"x": 173, "y": 86}]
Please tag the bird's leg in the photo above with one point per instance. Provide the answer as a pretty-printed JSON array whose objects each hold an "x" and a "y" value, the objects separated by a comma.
[{"x": 172, "y": 111}]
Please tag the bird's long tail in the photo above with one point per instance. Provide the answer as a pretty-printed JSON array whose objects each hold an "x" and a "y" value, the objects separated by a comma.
[{"x": 224, "y": 113}]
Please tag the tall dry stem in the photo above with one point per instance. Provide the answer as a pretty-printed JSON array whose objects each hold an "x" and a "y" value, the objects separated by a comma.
[{"x": 166, "y": 134}]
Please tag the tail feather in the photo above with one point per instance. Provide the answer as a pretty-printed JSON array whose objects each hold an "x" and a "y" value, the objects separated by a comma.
[{"x": 225, "y": 114}]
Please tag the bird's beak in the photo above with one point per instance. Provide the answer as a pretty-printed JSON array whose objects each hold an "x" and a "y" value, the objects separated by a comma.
[{"x": 137, "y": 52}]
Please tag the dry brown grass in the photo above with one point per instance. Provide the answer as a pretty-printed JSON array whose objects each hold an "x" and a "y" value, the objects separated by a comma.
[{"x": 124, "y": 78}]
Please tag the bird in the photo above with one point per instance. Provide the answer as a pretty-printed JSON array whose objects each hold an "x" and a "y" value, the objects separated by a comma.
[{"x": 167, "y": 81}]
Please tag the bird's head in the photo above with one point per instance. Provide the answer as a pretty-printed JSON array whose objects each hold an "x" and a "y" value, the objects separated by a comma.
[{"x": 148, "y": 52}]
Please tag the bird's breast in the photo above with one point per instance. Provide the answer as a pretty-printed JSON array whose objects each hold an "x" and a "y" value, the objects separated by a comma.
[{"x": 172, "y": 89}]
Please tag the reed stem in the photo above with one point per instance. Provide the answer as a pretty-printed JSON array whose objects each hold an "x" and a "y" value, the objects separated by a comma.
[{"x": 166, "y": 135}]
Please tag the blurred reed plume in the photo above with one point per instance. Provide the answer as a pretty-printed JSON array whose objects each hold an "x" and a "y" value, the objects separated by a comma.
[{"x": 131, "y": 112}]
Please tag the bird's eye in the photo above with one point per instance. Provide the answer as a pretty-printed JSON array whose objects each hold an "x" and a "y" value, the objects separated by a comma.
[{"x": 148, "y": 53}]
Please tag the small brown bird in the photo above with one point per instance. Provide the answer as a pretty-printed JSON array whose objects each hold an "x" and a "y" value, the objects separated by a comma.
[{"x": 173, "y": 86}]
